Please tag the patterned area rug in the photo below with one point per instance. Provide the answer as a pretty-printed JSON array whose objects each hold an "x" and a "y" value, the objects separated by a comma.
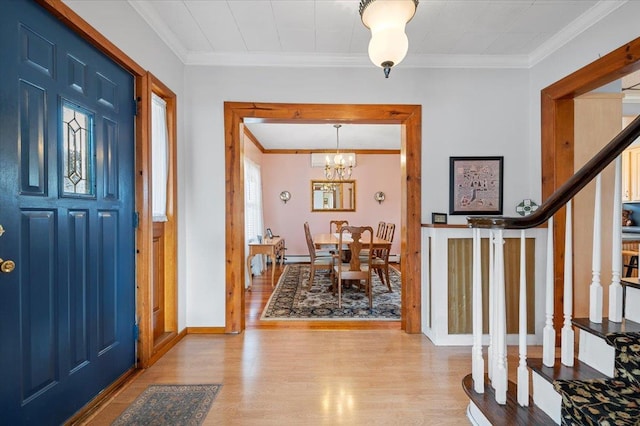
[
  {"x": 170, "y": 405},
  {"x": 291, "y": 300}
]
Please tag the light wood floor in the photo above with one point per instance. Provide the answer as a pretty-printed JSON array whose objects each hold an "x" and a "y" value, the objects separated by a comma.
[{"x": 305, "y": 376}]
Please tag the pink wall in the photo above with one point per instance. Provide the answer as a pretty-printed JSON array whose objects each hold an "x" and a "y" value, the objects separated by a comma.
[{"x": 293, "y": 172}]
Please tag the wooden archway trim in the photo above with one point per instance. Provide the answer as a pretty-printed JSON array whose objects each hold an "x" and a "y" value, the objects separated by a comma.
[
  {"x": 558, "y": 139},
  {"x": 410, "y": 119}
]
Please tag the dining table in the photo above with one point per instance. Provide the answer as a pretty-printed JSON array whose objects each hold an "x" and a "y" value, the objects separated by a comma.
[{"x": 332, "y": 240}]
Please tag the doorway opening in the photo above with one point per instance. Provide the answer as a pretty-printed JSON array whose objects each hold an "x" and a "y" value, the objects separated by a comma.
[{"x": 410, "y": 119}]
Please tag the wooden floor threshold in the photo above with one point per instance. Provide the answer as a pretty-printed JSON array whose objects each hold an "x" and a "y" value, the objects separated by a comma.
[{"x": 509, "y": 414}]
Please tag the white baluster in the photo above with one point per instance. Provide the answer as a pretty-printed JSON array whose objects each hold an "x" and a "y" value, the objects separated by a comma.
[
  {"x": 478, "y": 360},
  {"x": 595, "y": 290},
  {"x": 500, "y": 373},
  {"x": 567, "y": 336},
  {"x": 615, "y": 289},
  {"x": 523, "y": 371},
  {"x": 491, "y": 350},
  {"x": 549, "y": 333}
]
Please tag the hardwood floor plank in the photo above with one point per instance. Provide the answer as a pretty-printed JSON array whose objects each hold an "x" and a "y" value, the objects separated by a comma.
[
  {"x": 312, "y": 377},
  {"x": 284, "y": 376}
]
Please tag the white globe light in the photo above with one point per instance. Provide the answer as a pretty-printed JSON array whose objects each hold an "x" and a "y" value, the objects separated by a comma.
[
  {"x": 388, "y": 45},
  {"x": 379, "y": 13},
  {"x": 387, "y": 20}
]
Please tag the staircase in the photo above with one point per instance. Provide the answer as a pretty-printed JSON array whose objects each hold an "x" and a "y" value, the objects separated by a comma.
[{"x": 595, "y": 382}]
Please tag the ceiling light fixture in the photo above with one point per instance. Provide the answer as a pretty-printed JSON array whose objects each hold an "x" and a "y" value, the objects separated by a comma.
[
  {"x": 387, "y": 20},
  {"x": 340, "y": 169}
]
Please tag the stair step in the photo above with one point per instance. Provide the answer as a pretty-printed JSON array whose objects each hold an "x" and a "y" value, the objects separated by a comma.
[
  {"x": 559, "y": 371},
  {"x": 606, "y": 327},
  {"x": 509, "y": 414}
]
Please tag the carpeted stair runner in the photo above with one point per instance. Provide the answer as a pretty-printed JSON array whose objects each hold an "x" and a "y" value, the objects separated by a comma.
[{"x": 613, "y": 401}]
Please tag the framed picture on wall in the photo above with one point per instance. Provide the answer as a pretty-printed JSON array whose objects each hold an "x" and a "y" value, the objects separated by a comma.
[
  {"x": 439, "y": 218},
  {"x": 475, "y": 185}
]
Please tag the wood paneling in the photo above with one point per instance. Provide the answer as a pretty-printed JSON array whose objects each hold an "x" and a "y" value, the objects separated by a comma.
[
  {"x": 408, "y": 116},
  {"x": 157, "y": 282},
  {"x": 598, "y": 119},
  {"x": 460, "y": 258}
]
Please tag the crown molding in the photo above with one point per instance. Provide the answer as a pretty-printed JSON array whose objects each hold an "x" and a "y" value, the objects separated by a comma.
[
  {"x": 151, "y": 17},
  {"x": 278, "y": 59},
  {"x": 466, "y": 61},
  {"x": 595, "y": 14},
  {"x": 275, "y": 59}
]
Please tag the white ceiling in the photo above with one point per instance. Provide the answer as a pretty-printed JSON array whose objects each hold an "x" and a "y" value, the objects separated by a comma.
[
  {"x": 323, "y": 136},
  {"x": 480, "y": 33}
]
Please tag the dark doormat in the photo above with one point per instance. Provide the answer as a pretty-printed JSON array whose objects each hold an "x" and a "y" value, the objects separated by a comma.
[{"x": 170, "y": 405}]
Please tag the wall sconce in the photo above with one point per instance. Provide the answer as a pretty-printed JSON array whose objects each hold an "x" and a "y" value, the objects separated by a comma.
[
  {"x": 285, "y": 196},
  {"x": 379, "y": 197}
]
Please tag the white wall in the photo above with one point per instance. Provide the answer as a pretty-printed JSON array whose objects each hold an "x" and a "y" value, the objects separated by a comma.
[
  {"x": 465, "y": 112},
  {"x": 620, "y": 27}
]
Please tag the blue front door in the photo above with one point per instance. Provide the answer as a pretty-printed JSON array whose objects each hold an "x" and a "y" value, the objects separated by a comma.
[{"x": 67, "y": 309}]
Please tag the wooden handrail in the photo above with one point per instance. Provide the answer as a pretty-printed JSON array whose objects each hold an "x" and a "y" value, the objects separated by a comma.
[{"x": 569, "y": 189}]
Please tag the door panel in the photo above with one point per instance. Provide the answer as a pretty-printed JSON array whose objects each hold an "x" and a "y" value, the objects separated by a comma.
[
  {"x": 67, "y": 311},
  {"x": 38, "y": 305},
  {"x": 158, "y": 285}
]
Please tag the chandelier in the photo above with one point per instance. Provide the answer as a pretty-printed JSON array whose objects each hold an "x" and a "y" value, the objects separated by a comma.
[
  {"x": 339, "y": 169},
  {"x": 387, "y": 20}
]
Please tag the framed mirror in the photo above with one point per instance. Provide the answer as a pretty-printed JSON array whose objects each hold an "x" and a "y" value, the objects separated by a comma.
[{"x": 333, "y": 196}]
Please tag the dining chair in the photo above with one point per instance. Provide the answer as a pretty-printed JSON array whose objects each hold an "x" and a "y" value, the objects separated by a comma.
[
  {"x": 389, "y": 231},
  {"x": 334, "y": 228},
  {"x": 380, "y": 261},
  {"x": 379, "y": 234},
  {"x": 358, "y": 268},
  {"x": 317, "y": 260},
  {"x": 336, "y": 225}
]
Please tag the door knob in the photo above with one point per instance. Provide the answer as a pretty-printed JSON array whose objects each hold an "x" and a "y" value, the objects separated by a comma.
[
  {"x": 7, "y": 266},
  {"x": 1, "y": 230}
]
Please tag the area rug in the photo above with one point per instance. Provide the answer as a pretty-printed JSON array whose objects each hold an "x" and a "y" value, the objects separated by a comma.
[
  {"x": 170, "y": 405},
  {"x": 291, "y": 300}
]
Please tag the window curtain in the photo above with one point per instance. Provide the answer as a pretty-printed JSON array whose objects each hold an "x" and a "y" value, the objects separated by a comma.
[
  {"x": 253, "y": 218},
  {"x": 159, "y": 158}
]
